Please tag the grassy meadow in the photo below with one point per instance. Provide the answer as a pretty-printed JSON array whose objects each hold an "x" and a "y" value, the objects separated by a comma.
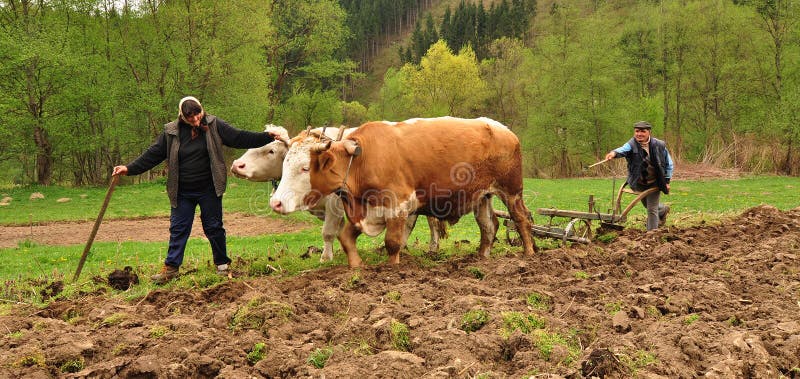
[{"x": 691, "y": 202}]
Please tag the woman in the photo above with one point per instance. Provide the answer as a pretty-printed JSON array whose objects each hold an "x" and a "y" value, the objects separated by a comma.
[{"x": 196, "y": 175}]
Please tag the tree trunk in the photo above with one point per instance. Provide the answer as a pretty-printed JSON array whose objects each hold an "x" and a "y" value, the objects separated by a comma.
[{"x": 44, "y": 156}]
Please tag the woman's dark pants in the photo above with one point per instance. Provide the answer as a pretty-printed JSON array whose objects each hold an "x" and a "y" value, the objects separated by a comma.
[{"x": 181, "y": 219}]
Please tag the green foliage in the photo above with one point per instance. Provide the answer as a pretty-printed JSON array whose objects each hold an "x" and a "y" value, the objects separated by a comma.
[
  {"x": 114, "y": 319},
  {"x": 353, "y": 114},
  {"x": 690, "y": 319},
  {"x": 546, "y": 342},
  {"x": 354, "y": 281},
  {"x": 613, "y": 308},
  {"x": 393, "y": 296},
  {"x": 581, "y": 275},
  {"x": 30, "y": 360},
  {"x": 158, "y": 331},
  {"x": 538, "y": 301},
  {"x": 474, "y": 320},
  {"x": 400, "y": 336},
  {"x": 318, "y": 357},
  {"x": 257, "y": 353},
  {"x": 259, "y": 314},
  {"x": 443, "y": 83},
  {"x": 476, "y": 272},
  {"x": 607, "y": 237},
  {"x": 637, "y": 360},
  {"x": 525, "y": 323},
  {"x": 305, "y": 108},
  {"x": 72, "y": 365}
]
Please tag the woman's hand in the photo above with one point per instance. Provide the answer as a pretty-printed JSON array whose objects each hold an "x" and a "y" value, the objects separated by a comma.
[{"x": 120, "y": 170}]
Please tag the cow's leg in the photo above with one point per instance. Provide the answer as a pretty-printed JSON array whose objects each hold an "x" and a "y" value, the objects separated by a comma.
[
  {"x": 395, "y": 231},
  {"x": 522, "y": 218},
  {"x": 347, "y": 238},
  {"x": 434, "y": 224},
  {"x": 331, "y": 227},
  {"x": 410, "y": 223},
  {"x": 484, "y": 215}
]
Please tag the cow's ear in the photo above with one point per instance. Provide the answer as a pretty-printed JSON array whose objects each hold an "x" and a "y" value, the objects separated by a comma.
[{"x": 326, "y": 160}]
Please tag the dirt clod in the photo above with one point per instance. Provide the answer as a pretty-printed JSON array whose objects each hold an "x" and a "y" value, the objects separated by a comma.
[{"x": 123, "y": 279}]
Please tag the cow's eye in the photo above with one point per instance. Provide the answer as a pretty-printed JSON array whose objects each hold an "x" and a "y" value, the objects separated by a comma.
[
  {"x": 271, "y": 152},
  {"x": 305, "y": 169}
]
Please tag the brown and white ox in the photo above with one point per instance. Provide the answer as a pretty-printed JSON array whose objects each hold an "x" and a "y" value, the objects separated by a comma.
[
  {"x": 295, "y": 185},
  {"x": 443, "y": 167}
]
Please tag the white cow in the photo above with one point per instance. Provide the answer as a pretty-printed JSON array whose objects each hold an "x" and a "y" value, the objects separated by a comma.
[
  {"x": 295, "y": 185},
  {"x": 264, "y": 163}
]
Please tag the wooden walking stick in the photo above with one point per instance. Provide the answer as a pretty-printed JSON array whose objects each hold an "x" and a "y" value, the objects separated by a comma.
[
  {"x": 598, "y": 163},
  {"x": 114, "y": 180}
]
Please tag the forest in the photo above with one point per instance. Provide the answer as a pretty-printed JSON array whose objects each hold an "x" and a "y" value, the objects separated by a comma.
[{"x": 88, "y": 84}]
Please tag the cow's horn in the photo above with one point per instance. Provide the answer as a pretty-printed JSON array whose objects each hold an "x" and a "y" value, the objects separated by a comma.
[
  {"x": 341, "y": 133},
  {"x": 320, "y": 147},
  {"x": 352, "y": 147}
]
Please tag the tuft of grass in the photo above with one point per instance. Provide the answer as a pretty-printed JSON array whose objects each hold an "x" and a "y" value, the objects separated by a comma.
[
  {"x": 158, "y": 331},
  {"x": 354, "y": 281},
  {"x": 474, "y": 320},
  {"x": 393, "y": 296},
  {"x": 613, "y": 308},
  {"x": 637, "y": 360},
  {"x": 319, "y": 357},
  {"x": 72, "y": 316},
  {"x": 363, "y": 348},
  {"x": 538, "y": 301},
  {"x": 581, "y": 275},
  {"x": 255, "y": 314},
  {"x": 607, "y": 237},
  {"x": 33, "y": 359},
  {"x": 734, "y": 321},
  {"x": 115, "y": 319},
  {"x": 26, "y": 244},
  {"x": 16, "y": 335},
  {"x": 690, "y": 319},
  {"x": 257, "y": 353},
  {"x": 546, "y": 343},
  {"x": 73, "y": 365},
  {"x": 400, "y": 335},
  {"x": 476, "y": 272},
  {"x": 119, "y": 349},
  {"x": 517, "y": 320},
  {"x": 261, "y": 267}
]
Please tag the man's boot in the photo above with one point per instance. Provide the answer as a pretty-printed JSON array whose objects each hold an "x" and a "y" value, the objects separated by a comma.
[{"x": 166, "y": 274}]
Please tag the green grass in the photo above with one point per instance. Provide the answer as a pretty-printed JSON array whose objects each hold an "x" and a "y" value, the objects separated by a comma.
[{"x": 691, "y": 202}]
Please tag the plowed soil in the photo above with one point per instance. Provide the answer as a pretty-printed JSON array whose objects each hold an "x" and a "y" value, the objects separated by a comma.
[{"x": 720, "y": 301}]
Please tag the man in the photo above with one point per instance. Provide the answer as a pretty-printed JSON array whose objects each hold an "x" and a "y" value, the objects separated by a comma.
[
  {"x": 649, "y": 165},
  {"x": 197, "y": 175}
]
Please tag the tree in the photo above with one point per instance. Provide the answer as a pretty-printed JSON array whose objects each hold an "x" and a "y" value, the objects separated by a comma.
[
  {"x": 37, "y": 67},
  {"x": 445, "y": 84}
]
